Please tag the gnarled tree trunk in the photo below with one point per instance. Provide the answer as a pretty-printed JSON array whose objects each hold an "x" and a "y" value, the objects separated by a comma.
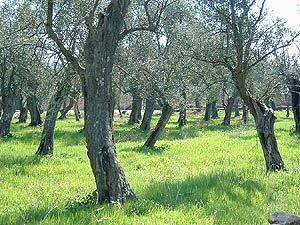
[
  {"x": 65, "y": 110},
  {"x": 208, "y": 109},
  {"x": 214, "y": 109},
  {"x": 23, "y": 111},
  {"x": 9, "y": 108},
  {"x": 245, "y": 116},
  {"x": 182, "y": 121},
  {"x": 77, "y": 111},
  {"x": 149, "y": 109},
  {"x": 197, "y": 105},
  {"x": 228, "y": 108},
  {"x": 100, "y": 49},
  {"x": 294, "y": 86},
  {"x": 96, "y": 79},
  {"x": 46, "y": 143},
  {"x": 35, "y": 114},
  {"x": 236, "y": 108},
  {"x": 135, "y": 115},
  {"x": 161, "y": 124},
  {"x": 264, "y": 120}
]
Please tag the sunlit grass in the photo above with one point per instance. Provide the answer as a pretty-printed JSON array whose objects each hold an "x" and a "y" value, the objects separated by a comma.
[{"x": 204, "y": 173}]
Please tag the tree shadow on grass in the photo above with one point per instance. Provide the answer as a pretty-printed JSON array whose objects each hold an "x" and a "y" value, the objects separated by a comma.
[
  {"x": 9, "y": 161},
  {"x": 229, "y": 195},
  {"x": 67, "y": 138},
  {"x": 148, "y": 151},
  {"x": 222, "y": 192}
]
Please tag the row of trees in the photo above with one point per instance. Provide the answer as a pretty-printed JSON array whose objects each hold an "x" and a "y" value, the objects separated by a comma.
[{"x": 164, "y": 53}]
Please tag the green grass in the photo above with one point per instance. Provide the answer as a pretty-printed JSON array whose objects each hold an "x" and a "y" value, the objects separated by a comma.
[{"x": 201, "y": 174}]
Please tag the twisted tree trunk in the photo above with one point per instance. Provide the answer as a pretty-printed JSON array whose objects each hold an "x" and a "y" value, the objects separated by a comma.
[
  {"x": 100, "y": 49},
  {"x": 77, "y": 111},
  {"x": 35, "y": 114},
  {"x": 96, "y": 79},
  {"x": 23, "y": 111},
  {"x": 294, "y": 86},
  {"x": 264, "y": 120},
  {"x": 65, "y": 110},
  {"x": 161, "y": 124},
  {"x": 197, "y": 105},
  {"x": 245, "y": 116},
  {"x": 236, "y": 108},
  {"x": 46, "y": 143},
  {"x": 182, "y": 121},
  {"x": 228, "y": 108},
  {"x": 146, "y": 122},
  {"x": 135, "y": 115},
  {"x": 208, "y": 109},
  {"x": 214, "y": 108},
  {"x": 9, "y": 108}
]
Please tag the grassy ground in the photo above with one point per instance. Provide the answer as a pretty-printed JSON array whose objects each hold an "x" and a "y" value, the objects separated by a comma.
[{"x": 201, "y": 174}]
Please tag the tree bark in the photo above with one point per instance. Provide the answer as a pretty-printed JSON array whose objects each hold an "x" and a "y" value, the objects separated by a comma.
[
  {"x": 1, "y": 107},
  {"x": 135, "y": 115},
  {"x": 77, "y": 111},
  {"x": 161, "y": 124},
  {"x": 182, "y": 121},
  {"x": 197, "y": 105},
  {"x": 65, "y": 110},
  {"x": 9, "y": 108},
  {"x": 149, "y": 109},
  {"x": 35, "y": 114},
  {"x": 208, "y": 109},
  {"x": 264, "y": 120},
  {"x": 96, "y": 79},
  {"x": 23, "y": 111},
  {"x": 46, "y": 143},
  {"x": 214, "y": 108},
  {"x": 294, "y": 86},
  {"x": 245, "y": 116},
  {"x": 228, "y": 108},
  {"x": 236, "y": 108},
  {"x": 100, "y": 49}
]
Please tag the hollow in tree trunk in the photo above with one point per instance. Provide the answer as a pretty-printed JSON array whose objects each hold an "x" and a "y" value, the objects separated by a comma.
[
  {"x": 161, "y": 124},
  {"x": 208, "y": 109},
  {"x": 149, "y": 109},
  {"x": 294, "y": 86},
  {"x": 46, "y": 143},
  {"x": 264, "y": 120},
  {"x": 135, "y": 115},
  {"x": 65, "y": 110},
  {"x": 9, "y": 108},
  {"x": 35, "y": 114}
]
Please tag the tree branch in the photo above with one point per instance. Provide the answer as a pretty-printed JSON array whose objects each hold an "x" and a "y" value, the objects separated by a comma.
[{"x": 51, "y": 33}]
